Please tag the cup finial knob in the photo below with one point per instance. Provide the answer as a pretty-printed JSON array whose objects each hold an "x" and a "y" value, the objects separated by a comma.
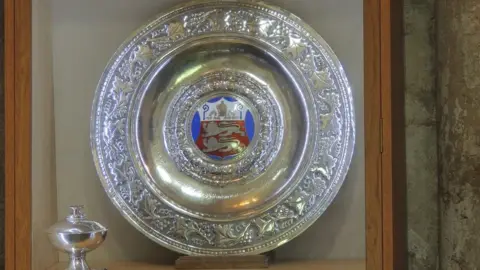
[{"x": 76, "y": 213}]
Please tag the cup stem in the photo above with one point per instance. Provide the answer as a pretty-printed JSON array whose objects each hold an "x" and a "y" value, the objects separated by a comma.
[{"x": 78, "y": 262}]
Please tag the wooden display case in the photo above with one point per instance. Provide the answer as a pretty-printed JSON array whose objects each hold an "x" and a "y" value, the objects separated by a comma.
[{"x": 31, "y": 189}]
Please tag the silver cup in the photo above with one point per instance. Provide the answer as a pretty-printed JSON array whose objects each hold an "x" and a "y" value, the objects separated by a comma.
[{"x": 76, "y": 236}]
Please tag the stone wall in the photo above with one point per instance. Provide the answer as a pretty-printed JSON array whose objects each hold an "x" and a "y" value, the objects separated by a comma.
[
  {"x": 422, "y": 180},
  {"x": 458, "y": 37},
  {"x": 443, "y": 72}
]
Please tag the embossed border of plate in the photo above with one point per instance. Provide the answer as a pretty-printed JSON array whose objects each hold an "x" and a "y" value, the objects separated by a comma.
[{"x": 334, "y": 138}]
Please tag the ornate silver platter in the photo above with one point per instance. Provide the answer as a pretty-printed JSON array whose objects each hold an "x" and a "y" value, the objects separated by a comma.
[{"x": 223, "y": 127}]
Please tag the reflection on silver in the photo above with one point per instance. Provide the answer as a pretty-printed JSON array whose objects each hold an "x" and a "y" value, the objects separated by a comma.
[
  {"x": 76, "y": 236},
  {"x": 223, "y": 128}
]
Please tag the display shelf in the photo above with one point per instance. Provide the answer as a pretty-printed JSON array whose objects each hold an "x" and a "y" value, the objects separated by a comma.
[
  {"x": 303, "y": 265},
  {"x": 72, "y": 43},
  {"x": 58, "y": 49}
]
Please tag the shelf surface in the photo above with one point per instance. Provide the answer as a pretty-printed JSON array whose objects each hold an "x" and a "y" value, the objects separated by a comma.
[{"x": 300, "y": 265}]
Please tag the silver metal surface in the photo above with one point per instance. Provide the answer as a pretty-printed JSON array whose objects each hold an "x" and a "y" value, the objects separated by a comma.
[
  {"x": 223, "y": 127},
  {"x": 77, "y": 236}
]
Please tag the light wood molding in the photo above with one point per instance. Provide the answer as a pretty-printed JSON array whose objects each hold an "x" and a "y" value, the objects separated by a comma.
[{"x": 304, "y": 265}]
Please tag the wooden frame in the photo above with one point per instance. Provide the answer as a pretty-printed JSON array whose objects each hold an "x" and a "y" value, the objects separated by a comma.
[
  {"x": 18, "y": 123},
  {"x": 384, "y": 134}
]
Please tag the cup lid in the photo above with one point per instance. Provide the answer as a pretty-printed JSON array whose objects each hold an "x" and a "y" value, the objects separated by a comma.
[{"x": 76, "y": 223}]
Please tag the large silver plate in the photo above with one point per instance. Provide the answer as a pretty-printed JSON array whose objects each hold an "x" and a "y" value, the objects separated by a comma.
[{"x": 223, "y": 127}]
